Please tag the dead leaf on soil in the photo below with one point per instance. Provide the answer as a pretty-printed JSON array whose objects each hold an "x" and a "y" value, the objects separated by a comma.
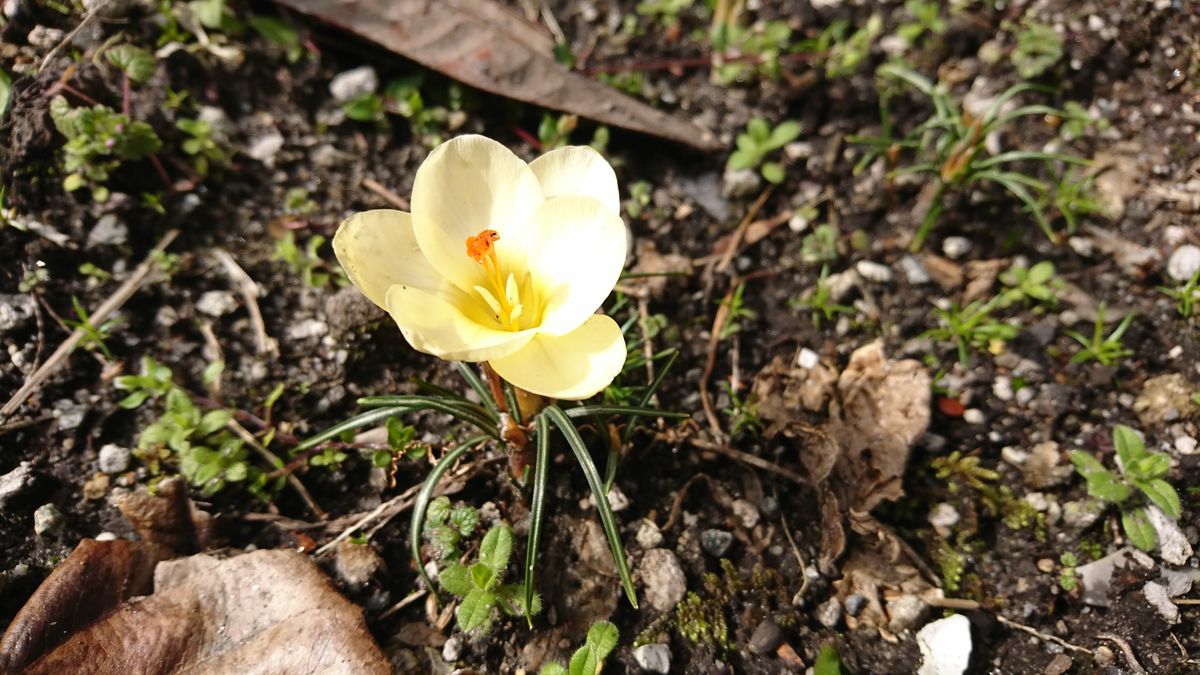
[
  {"x": 261, "y": 612},
  {"x": 482, "y": 44},
  {"x": 893, "y": 593},
  {"x": 856, "y": 456},
  {"x": 982, "y": 275},
  {"x": 1166, "y": 398}
]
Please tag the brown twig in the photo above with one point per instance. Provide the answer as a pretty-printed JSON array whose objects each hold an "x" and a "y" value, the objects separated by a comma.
[
  {"x": 405, "y": 602},
  {"x": 747, "y": 458},
  {"x": 274, "y": 460},
  {"x": 1043, "y": 636},
  {"x": 648, "y": 351},
  {"x": 736, "y": 243},
  {"x": 87, "y": 19},
  {"x": 691, "y": 62},
  {"x": 393, "y": 506},
  {"x": 710, "y": 363},
  {"x": 98, "y": 316},
  {"x": 249, "y": 290},
  {"x": 388, "y": 195},
  {"x": 1130, "y": 658}
]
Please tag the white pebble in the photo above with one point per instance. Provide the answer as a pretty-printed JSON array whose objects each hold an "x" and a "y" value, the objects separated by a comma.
[
  {"x": 974, "y": 416},
  {"x": 956, "y": 247},
  {"x": 807, "y": 359},
  {"x": 873, "y": 271},
  {"x": 1184, "y": 262}
]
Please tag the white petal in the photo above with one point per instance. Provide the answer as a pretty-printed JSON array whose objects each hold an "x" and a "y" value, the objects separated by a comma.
[
  {"x": 574, "y": 366},
  {"x": 576, "y": 261},
  {"x": 450, "y": 324},
  {"x": 378, "y": 250},
  {"x": 580, "y": 171},
  {"x": 467, "y": 185}
]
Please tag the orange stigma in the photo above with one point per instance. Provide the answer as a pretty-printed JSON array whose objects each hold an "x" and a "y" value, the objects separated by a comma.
[{"x": 482, "y": 246}]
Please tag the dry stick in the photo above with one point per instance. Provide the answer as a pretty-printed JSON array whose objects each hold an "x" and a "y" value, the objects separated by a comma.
[
  {"x": 248, "y": 289},
  {"x": 1043, "y": 636},
  {"x": 98, "y": 316},
  {"x": 396, "y": 504},
  {"x": 1126, "y": 650},
  {"x": 711, "y": 361},
  {"x": 740, "y": 232},
  {"x": 405, "y": 602},
  {"x": 747, "y": 458},
  {"x": 648, "y": 351},
  {"x": 391, "y": 197},
  {"x": 87, "y": 18},
  {"x": 276, "y": 461}
]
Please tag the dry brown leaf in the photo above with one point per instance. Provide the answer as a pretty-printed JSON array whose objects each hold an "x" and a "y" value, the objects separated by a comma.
[
  {"x": 480, "y": 43},
  {"x": 983, "y": 275},
  {"x": 261, "y": 612},
  {"x": 893, "y": 593},
  {"x": 944, "y": 272},
  {"x": 95, "y": 578}
]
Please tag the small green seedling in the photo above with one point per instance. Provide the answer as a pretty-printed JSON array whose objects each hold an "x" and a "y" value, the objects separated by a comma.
[
  {"x": 1141, "y": 470},
  {"x": 1036, "y": 285},
  {"x": 639, "y": 198},
  {"x": 154, "y": 381},
  {"x": 98, "y": 142},
  {"x": 665, "y": 12},
  {"x": 1068, "y": 579},
  {"x": 201, "y": 146},
  {"x": 737, "y": 311},
  {"x": 137, "y": 63},
  {"x": 828, "y": 662},
  {"x": 93, "y": 335},
  {"x": 849, "y": 51},
  {"x": 820, "y": 245},
  {"x": 759, "y": 141},
  {"x": 1072, "y": 197},
  {"x": 447, "y": 525},
  {"x": 280, "y": 33},
  {"x": 1185, "y": 296},
  {"x": 314, "y": 271},
  {"x": 820, "y": 302},
  {"x": 743, "y": 415},
  {"x": 972, "y": 326},
  {"x": 764, "y": 41},
  {"x": 926, "y": 18},
  {"x": 1038, "y": 48},
  {"x": 1104, "y": 350},
  {"x": 479, "y": 585},
  {"x": 602, "y": 638}
]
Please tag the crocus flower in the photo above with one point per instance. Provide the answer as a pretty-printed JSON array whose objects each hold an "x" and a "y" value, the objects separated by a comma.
[{"x": 501, "y": 261}]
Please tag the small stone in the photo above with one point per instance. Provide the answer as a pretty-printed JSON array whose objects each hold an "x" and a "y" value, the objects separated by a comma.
[
  {"x": 854, "y": 604},
  {"x": 974, "y": 416},
  {"x": 307, "y": 329},
  {"x": 913, "y": 271},
  {"x": 44, "y": 37},
  {"x": 799, "y": 222},
  {"x": 653, "y": 658},
  {"x": 663, "y": 579},
  {"x": 716, "y": 542},
  {"x": 1104, "y": 656},
  {"x": 1184, "y": 262},
  {"x": 807, "y": 359},
  {"x": 904, "y": 611},
  {"x": 942, "y": 517},
  {"x": 956, "y": 247},
  {"x": 452, "y": 650},
  {"x": 746, "y": 512},
  {"x": 356, "y": 564},
  {"x": 70, "y": 414},
  {"x": 1082, "y": 514},
  {"x": 13, "y": 482},
  {"x": 1177, "y": 582},
  {"x": 874, "y": 272},
  {"x": 265, "y": 147},
  {"x": 945, "y": 646},
  {"x": 1173, "y": 544},
  {"x": 1045, "y": 565},
  {"x": 1156, "y": 594},
  {"x": 829, "y": 614},
  {"x": 740, "y": 183},
  {"x": 648, "y": 535},
  {"x": 1058, "y": 665},
  {"x": 766, "y": 638},
  {"x": 15, "y": 311},
  {"x": 1084, "y": 246},
  {"x": 47, "y": 520},
  {"x": 106, "y": 536},
  {"x": 96, "y": 487},
  {"x": 1095, "y": 578},
  {"x": 617, "y": 499},
  {"x": 216, "y": 303},
  {"x": 354, "y": 83},
  {"x": 113, "y": 458},
  {"x": 1164, "y": 398},
  {"x": 1002, "y": 388},
  {"x": 219, "y": 125},
  {"x": 108, "y": 231}
]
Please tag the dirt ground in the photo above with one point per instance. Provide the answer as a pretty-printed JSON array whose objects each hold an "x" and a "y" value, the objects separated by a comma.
[{"x": 984, "y": 503}]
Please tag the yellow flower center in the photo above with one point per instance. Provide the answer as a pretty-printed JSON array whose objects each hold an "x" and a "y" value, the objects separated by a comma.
[{"x": 502, "y": 294}]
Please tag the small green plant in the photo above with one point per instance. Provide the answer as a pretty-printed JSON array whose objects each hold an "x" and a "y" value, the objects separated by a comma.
[
  {"x": 98, "y": 142},
  {"x": 93, "y": 335},
  {"x": 1105, "y": 350},
  {"x": 555, "y": 131},
  {"x": 280, "y": 33},
  {"x": 828, "y": 662},
  {"x": 602, "y": 638},
  {"x": 296, "y": 201},
  {"x": 1076, "y": 121},
  {"x": 743, "y": 415},
  {"x": 820, "y": 245},
  {"x": 201, "y": 146},
  {"x": 972, "y": 326},
  {"x": 759, "y": 141},
  {"x": 926, "y": 18},
  {"x": 154, "y": 381},
  {"x": 314, "y": 271},
  {"x": 820, "y": 302},
  {"x": 93, "y": 271},
  {"x": 1038, "y": 48},
  {"x": 1142, "y": 471},
  {"x": 137, "y": 63},
  {"x": 763, "y": 42},
  {"x": 950, "y": 146},
  {"x": 1068, "y": 579},
  {"x": 1036, "y": 285},
  {"x": 1184, "y": 296},
  {"x": 1072, "y": 197},
  {"x": 639, "y": 198},
  {"x": 447, "y": 525},
  {"x": 665, "y": 12},
  {"x": 848, "y": 51},
  {"x": 479, "y": 585},
  {"x": 737, "y": 312}
]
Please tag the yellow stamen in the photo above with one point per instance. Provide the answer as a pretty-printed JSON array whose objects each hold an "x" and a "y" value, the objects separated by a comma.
[{"x": 504, "y": 296}]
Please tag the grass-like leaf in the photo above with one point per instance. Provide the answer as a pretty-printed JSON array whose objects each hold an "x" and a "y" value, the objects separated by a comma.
[
  {"x": 537, "y": 507},
  {"x": 358, "y": 421},
  {"x": 464, "y": 411},
  {"x": 632, "y": 411},
  {"x": 425, "y": 495},
  {"x": 476, "y": 383},
  {"x": 607, "y": 520}
]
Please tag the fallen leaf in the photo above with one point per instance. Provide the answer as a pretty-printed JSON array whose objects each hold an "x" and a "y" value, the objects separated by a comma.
[
  {"x": 944, "y": 272},
  {"x": 892, "y": 593},
  {"x": 261, "y": 612},
  {"x": 482, "y": 44},
  {"x": 982, "y": 275}
]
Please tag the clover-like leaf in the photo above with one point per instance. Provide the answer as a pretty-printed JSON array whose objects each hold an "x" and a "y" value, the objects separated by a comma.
[{"x": 135, "y": 62}]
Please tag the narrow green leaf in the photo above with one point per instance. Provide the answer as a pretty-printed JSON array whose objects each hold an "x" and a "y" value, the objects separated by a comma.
[
  {"x": 467, "y": 372},
  {"x": 496, "y": 548},
  {"x": 476, "y": 609},
  {"x": 1129, "y": 444},
  {"x": 1106, "y": 486},
  {"x": 632, "y": 411},
  {"x": 1085, "y": 464},
  {"x": 358, "y": 421},
  {"x": 537, "y": 507},
  {"x": 607, "y": 520},
  {"x": 1163, "y": 495},
  {"x": 1138, "y": 528},
  {"x": 828, "y": 661},
  {"x": 5, "y": 90},
  {"x": 425, "y": 495},
  {"x": 602, "y": 637}
]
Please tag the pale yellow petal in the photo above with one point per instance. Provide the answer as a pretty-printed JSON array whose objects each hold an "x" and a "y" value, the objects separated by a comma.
[
  {"x": 378, "y": 250},
  {"x": 577, "y": 171},
  {"x": 469, "y": 184},
  {"x": 452, "y": 325},
  {"x": 576, "y": 261},
  {"x": 574, "y": 366}
]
